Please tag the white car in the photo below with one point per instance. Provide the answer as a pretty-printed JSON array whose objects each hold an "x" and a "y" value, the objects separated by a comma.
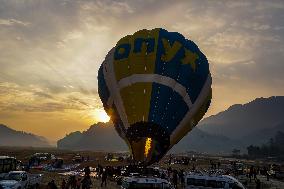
[
  {"x": 200, "y": 181},
  {"x": 10, "y": 184},
  {"x": 145, "y": 183},
  {"x": 20, "y": 180},
  {"x": 15, "y": 180}
]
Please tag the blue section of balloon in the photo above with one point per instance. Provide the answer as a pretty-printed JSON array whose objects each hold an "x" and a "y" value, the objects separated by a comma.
[
  {"x": 193, "y": 80},
  {"x": 163, "y": 101},
  {"x": 103, "y": 92}
]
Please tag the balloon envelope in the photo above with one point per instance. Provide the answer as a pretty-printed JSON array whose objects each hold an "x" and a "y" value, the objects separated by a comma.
[{"x": 155, "y": 85}]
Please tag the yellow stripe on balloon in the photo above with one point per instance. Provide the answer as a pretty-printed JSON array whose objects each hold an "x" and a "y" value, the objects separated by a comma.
[
  {"x": 140, "y": 60},
  {"x": 121, "y": 65},
  {"x": 136, "y": 100},
  {"x": 137, "y": 62}
]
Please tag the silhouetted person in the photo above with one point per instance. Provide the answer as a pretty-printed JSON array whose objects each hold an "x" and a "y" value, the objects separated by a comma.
[
  {"x": 250, "y": 173},
  {"x": 51, "y": 185},
  {"x": 63, "y": 184},
  {"x": 181, "y": 178},
  {"x": 104, "y": 178},
  {"x": 86, "y": 182},
  {"x": 266, "y": 172},
  {"x": 170, "y": 160},
  {"x": 78, "y": 183},
  {"x": 87, "y": 171},
  {"x": 72, "y": 182},
  {"x": 169, "y": 171},
  {"x": 175, "y": 178},
  {"x": 163, "y": 175},
  {"x": 254, "y": 173},
  {"x": 100, "y": 170},
  {"x": 193, "y": 167},
  {"x": 257, "y": 186}
]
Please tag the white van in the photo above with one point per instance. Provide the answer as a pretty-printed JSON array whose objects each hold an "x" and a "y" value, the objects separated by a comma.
[
  {"x": 145, "y": 183},
  {"x": 199, "y": 181}
]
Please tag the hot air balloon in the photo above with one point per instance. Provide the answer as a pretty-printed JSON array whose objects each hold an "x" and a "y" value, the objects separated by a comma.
[{"x": 155, "y": 85}]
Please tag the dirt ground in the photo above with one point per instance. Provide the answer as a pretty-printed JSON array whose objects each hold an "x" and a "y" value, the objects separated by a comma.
[
  {"x": 96, "y": 183},
  {"x": 94, "y": 158}
]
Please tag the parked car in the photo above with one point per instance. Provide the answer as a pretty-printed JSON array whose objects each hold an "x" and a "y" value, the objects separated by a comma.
[
  {"x": 200, "y": 181},
  {"x": 145, "y": 183},
  {"x": 20, "y": 180}
]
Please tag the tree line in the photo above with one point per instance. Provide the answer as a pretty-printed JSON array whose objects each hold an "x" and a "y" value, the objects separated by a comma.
[{"x": 273, "y": 148}]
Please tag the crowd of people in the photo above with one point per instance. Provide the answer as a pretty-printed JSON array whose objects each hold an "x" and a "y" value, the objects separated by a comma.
[
  {"x": 175, "y": 177},
  {"x": 73, "y": 182}
]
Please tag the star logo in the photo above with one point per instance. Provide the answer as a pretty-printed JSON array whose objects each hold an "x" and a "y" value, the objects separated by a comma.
[{"x": 190, "y": 58}]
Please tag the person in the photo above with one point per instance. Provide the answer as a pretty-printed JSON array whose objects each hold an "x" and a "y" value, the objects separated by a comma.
[
  {"x": 163, "y": 175},
  {"x": 257, "y": 186},
  {"x": 169, "y": 170},
  {"x": 100, "y": 170},
  {"x": 63, "y": 184},
  {"x": 219, "y": 164},
  {"x": 72, "y": 182},
  {"x": 86, "y": 182},
  {"x": 175, "y": 178},
  {"x": 181, "y": 177},
  {"x": 250, "y": 173},
  {"x": 78, "y": 183},
  {"x": 193, "y": 167},
  {"x": 51, "y": 185},
  {"x": 104, "y": 178},
  {"x": 266, "y": 173},
  {"x": 254, "y": 173},
  {"x": 87, "y": 171},
  {"x": 170, "y": 160}
]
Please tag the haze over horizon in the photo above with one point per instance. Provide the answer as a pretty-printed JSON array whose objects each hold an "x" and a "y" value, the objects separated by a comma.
[{"x": 50, "y": 52}]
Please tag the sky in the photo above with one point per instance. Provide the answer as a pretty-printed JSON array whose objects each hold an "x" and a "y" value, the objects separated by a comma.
[{"x": 50, "y": 52}]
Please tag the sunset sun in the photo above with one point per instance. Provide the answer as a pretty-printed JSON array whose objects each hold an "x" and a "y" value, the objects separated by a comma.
[{"x": 100, "y": 115}]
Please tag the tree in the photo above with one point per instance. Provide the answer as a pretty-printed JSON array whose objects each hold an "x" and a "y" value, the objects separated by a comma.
[{"x": 236, "y": 152}]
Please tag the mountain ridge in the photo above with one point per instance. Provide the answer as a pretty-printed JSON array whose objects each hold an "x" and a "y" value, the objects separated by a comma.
[
  {"x": 235, "y": 128},
  {"x": 11, "y": 137},
  {"x": 239, "y": 120}
]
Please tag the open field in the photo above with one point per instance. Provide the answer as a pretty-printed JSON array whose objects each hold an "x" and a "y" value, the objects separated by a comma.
[{"x": 93, "y": 159}]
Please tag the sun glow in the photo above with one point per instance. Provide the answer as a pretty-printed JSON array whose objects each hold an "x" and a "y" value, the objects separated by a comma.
[{"x": 100, "y": 115}]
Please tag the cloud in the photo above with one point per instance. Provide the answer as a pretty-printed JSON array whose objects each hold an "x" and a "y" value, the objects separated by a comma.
[
  {"x": 65, "y": 42},
  {"x": 11, "y": 22},
  {"x": 107, "y": 7},
  {"x": 50, "y": 51},
  {"x": 43, "y": 95},
  {"x": 35, "y": 99}
]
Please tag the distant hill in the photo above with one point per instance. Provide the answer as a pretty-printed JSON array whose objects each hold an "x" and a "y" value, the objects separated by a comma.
[
  {"x": 200, "y": 141},
  {"x": 237, "y": 127},
  {"x": 99, "y": 137},
  {"x": 251, "y": 123},
  {"x": 263, "y": 135},
  {"x": 10, "y": 137},
  {"x": 103, "y": 137}
]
